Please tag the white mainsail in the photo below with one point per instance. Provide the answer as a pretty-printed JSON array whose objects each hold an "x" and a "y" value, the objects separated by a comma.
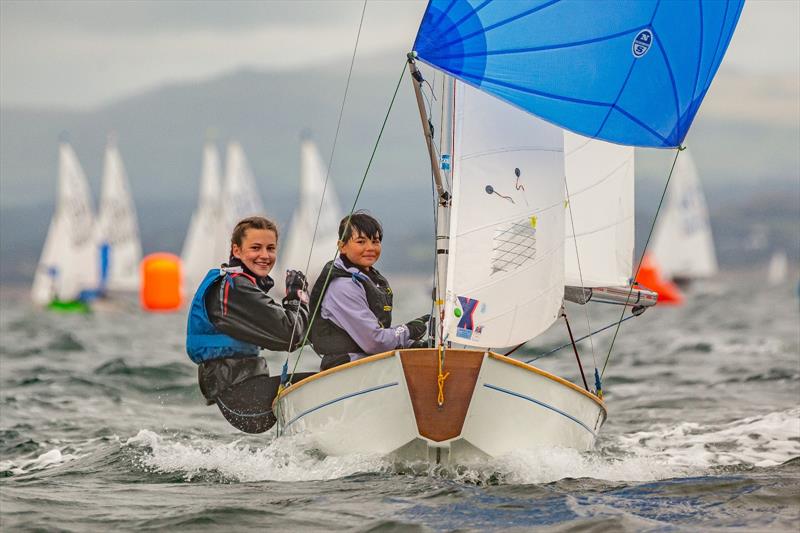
[
  {"x": 600, "y": 178},
  {"x": 294, "y": 251},
  {"x": 199, "y": 252},
  {"x": 119, "y": 246},
  {"x": 682, "y": 242},
  {"x": 505, "y": 275},
  {"x": 778, "y": 268},
  {"x": 68, "y": 265},
  {"x": 240, "y": 198}
]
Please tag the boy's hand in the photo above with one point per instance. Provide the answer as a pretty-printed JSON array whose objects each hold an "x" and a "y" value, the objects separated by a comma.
[{"x": 418, "y": 327}]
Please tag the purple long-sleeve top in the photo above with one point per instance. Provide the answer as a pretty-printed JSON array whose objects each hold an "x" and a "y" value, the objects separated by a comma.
[{"x": 345, "y": 304}]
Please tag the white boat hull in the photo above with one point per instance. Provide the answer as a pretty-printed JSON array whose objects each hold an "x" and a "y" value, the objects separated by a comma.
[{"x": 387, "y": 404}]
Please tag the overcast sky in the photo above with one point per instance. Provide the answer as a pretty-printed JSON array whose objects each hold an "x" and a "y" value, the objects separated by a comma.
[{"x": 72, "y": 54}]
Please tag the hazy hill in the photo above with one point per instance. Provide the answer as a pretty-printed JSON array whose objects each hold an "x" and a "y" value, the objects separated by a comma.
[{"x": 744, "y": 141}]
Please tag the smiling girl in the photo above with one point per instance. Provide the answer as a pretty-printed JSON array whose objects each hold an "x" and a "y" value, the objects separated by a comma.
[
  {"x": 232, "y": 317},
  {"x": 355, "y": 316}
]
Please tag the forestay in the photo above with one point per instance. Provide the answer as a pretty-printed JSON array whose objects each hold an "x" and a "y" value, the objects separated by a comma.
[
  {"x": 631, "y": 72},
  {"x": 682, "y": 242},
  {"x": 505, "y": 276},
  {"x": 68, "y": 266},
  {"x": 119, "y": 246},
  {"x": 294, "y": 253},
  {"x": 198, "y": 254},
  {"x": 600, "y": 178}
]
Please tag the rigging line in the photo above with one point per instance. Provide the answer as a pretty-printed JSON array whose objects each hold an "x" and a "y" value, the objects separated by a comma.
[
  {"x": 352, "y": 210},
  {"x": 644, "y": 251},
  {"x": 554, "y": 350},
  {"x": 330, "y": 159},
  {"x": 580, "y": 271}
]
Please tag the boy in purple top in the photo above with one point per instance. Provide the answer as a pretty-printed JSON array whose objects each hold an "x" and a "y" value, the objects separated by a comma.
[{"x": 354, "y": 319}]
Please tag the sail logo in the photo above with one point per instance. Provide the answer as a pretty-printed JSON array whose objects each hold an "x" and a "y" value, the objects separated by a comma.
[
  {"x": 466, "y": 324},
  {"x": 642, "y": 43}
]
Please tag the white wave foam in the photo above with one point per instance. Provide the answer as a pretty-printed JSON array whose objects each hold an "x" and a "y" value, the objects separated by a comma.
[
  {"x": 52, "y": 458},
  {"x": 659, "y": 453},
  {"x": 764, "y": 440},
  {"x": 285, "y": 459}
]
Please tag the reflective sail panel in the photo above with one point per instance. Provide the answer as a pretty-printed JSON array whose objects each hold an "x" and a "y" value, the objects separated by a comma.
[{"x": 629, "y": 72}]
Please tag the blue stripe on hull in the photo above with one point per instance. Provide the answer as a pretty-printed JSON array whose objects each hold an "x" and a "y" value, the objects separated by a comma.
[
  {"x": 545, "y": 405},
  {"x": 339, "y": 399}
]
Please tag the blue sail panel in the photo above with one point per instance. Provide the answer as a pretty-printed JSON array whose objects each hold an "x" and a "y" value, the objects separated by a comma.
[{"x": 624, "y": 71}]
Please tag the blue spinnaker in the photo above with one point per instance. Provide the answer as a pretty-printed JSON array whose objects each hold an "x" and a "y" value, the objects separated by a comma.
[{"x": 626, "y": 71}]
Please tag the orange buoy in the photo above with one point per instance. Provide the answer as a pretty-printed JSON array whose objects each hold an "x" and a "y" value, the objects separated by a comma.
[
  {"x": 161, "y": 282},
  {"x": 650, "y": 276}
]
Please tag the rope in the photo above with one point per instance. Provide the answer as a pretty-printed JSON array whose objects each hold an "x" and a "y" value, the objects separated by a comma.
[
  {"x": 644, "y": 251},
  {"x": 330, "y": 163},
  {"x": 441, "y": 377},
  {"x": 349, "y": 216},
  {"x": 580, "y": 275},
  {"x": 554, "y": 350}
]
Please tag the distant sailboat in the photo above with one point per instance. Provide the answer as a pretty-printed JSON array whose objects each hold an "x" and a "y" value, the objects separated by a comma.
[
  {"x": 199, "y": 253},
  {"x": 119, "y": 245},
  {"x": 683, "y": 246},
  {"x": 240, "y": 199},
  {"x": 67, "y": 267},
  {"x": 295, "y": 249},
  {"x": 778, "y": 268}
]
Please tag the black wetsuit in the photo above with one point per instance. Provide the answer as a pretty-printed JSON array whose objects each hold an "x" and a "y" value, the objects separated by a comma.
[{"x": 241, "y": 386}]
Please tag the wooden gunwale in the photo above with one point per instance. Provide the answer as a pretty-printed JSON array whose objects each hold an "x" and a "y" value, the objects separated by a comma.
[{"x": 548, "y": 375}]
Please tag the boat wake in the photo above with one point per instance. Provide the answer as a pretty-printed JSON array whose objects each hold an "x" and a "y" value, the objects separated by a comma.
[{"x": 662, "y": 452}]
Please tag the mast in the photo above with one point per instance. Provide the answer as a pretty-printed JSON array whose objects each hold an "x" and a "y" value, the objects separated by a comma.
[{"x": 440, "y": 163}]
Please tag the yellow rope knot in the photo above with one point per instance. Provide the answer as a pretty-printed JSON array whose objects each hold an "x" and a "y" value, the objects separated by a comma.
[
  {"x": 440, "y": 380},
  {"x": 441, "y": 377}
]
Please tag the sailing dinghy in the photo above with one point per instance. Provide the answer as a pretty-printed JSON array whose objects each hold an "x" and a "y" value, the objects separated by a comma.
[
  {"x": 197, "y": 253},
  {"x": 315, "y": 222},
  {"x": 67, "y": 267},
  {"x": 618, "y": 72},
  {"x": 683, "y": 246},
  {"x": 119, "y": 245}
]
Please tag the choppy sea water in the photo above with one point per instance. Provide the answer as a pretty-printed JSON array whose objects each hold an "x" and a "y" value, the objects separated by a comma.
[{"x": 102, "y": 426}]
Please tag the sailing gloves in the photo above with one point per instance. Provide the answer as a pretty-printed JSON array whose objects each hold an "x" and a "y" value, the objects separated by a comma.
[
  {"x": 418, "y": 327},
  {"x": 296, "y": 286}
]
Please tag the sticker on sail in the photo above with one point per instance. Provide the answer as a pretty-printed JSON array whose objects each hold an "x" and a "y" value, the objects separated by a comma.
[
  {"x": 514, "y": 244},
  {"x": 466, "y": 323},
  {"x": 642, "y": 43}
]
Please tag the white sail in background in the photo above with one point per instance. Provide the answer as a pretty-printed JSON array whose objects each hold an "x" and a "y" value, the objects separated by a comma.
[
  {"x": 200, "y": 253},
  {"x": 68, "y": 265},
  {"x": 682, "y": 242},
  {"x": 120, "y": 249},
  {"x": 778, "y": 268},
  {"x": 240, "y": 198},
  {"x": 600, "y": 178},
  {"x": 505, "y": 275},
  {"x": 294, "y": 250}
]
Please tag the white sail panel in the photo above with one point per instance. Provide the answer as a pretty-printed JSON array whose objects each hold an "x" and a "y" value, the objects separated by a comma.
[
  {"x": 199, "y": 252},
  {"x": 682, "y": 242},
  {"x": 505, "y": 276},
  {"x": 600, "y": 179},
  {"x": 119, "y": 245},
  {"x": 240, "y": 198},
  {"x": 295, "y": 247},
  {"x": 67, "y": 266}
]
